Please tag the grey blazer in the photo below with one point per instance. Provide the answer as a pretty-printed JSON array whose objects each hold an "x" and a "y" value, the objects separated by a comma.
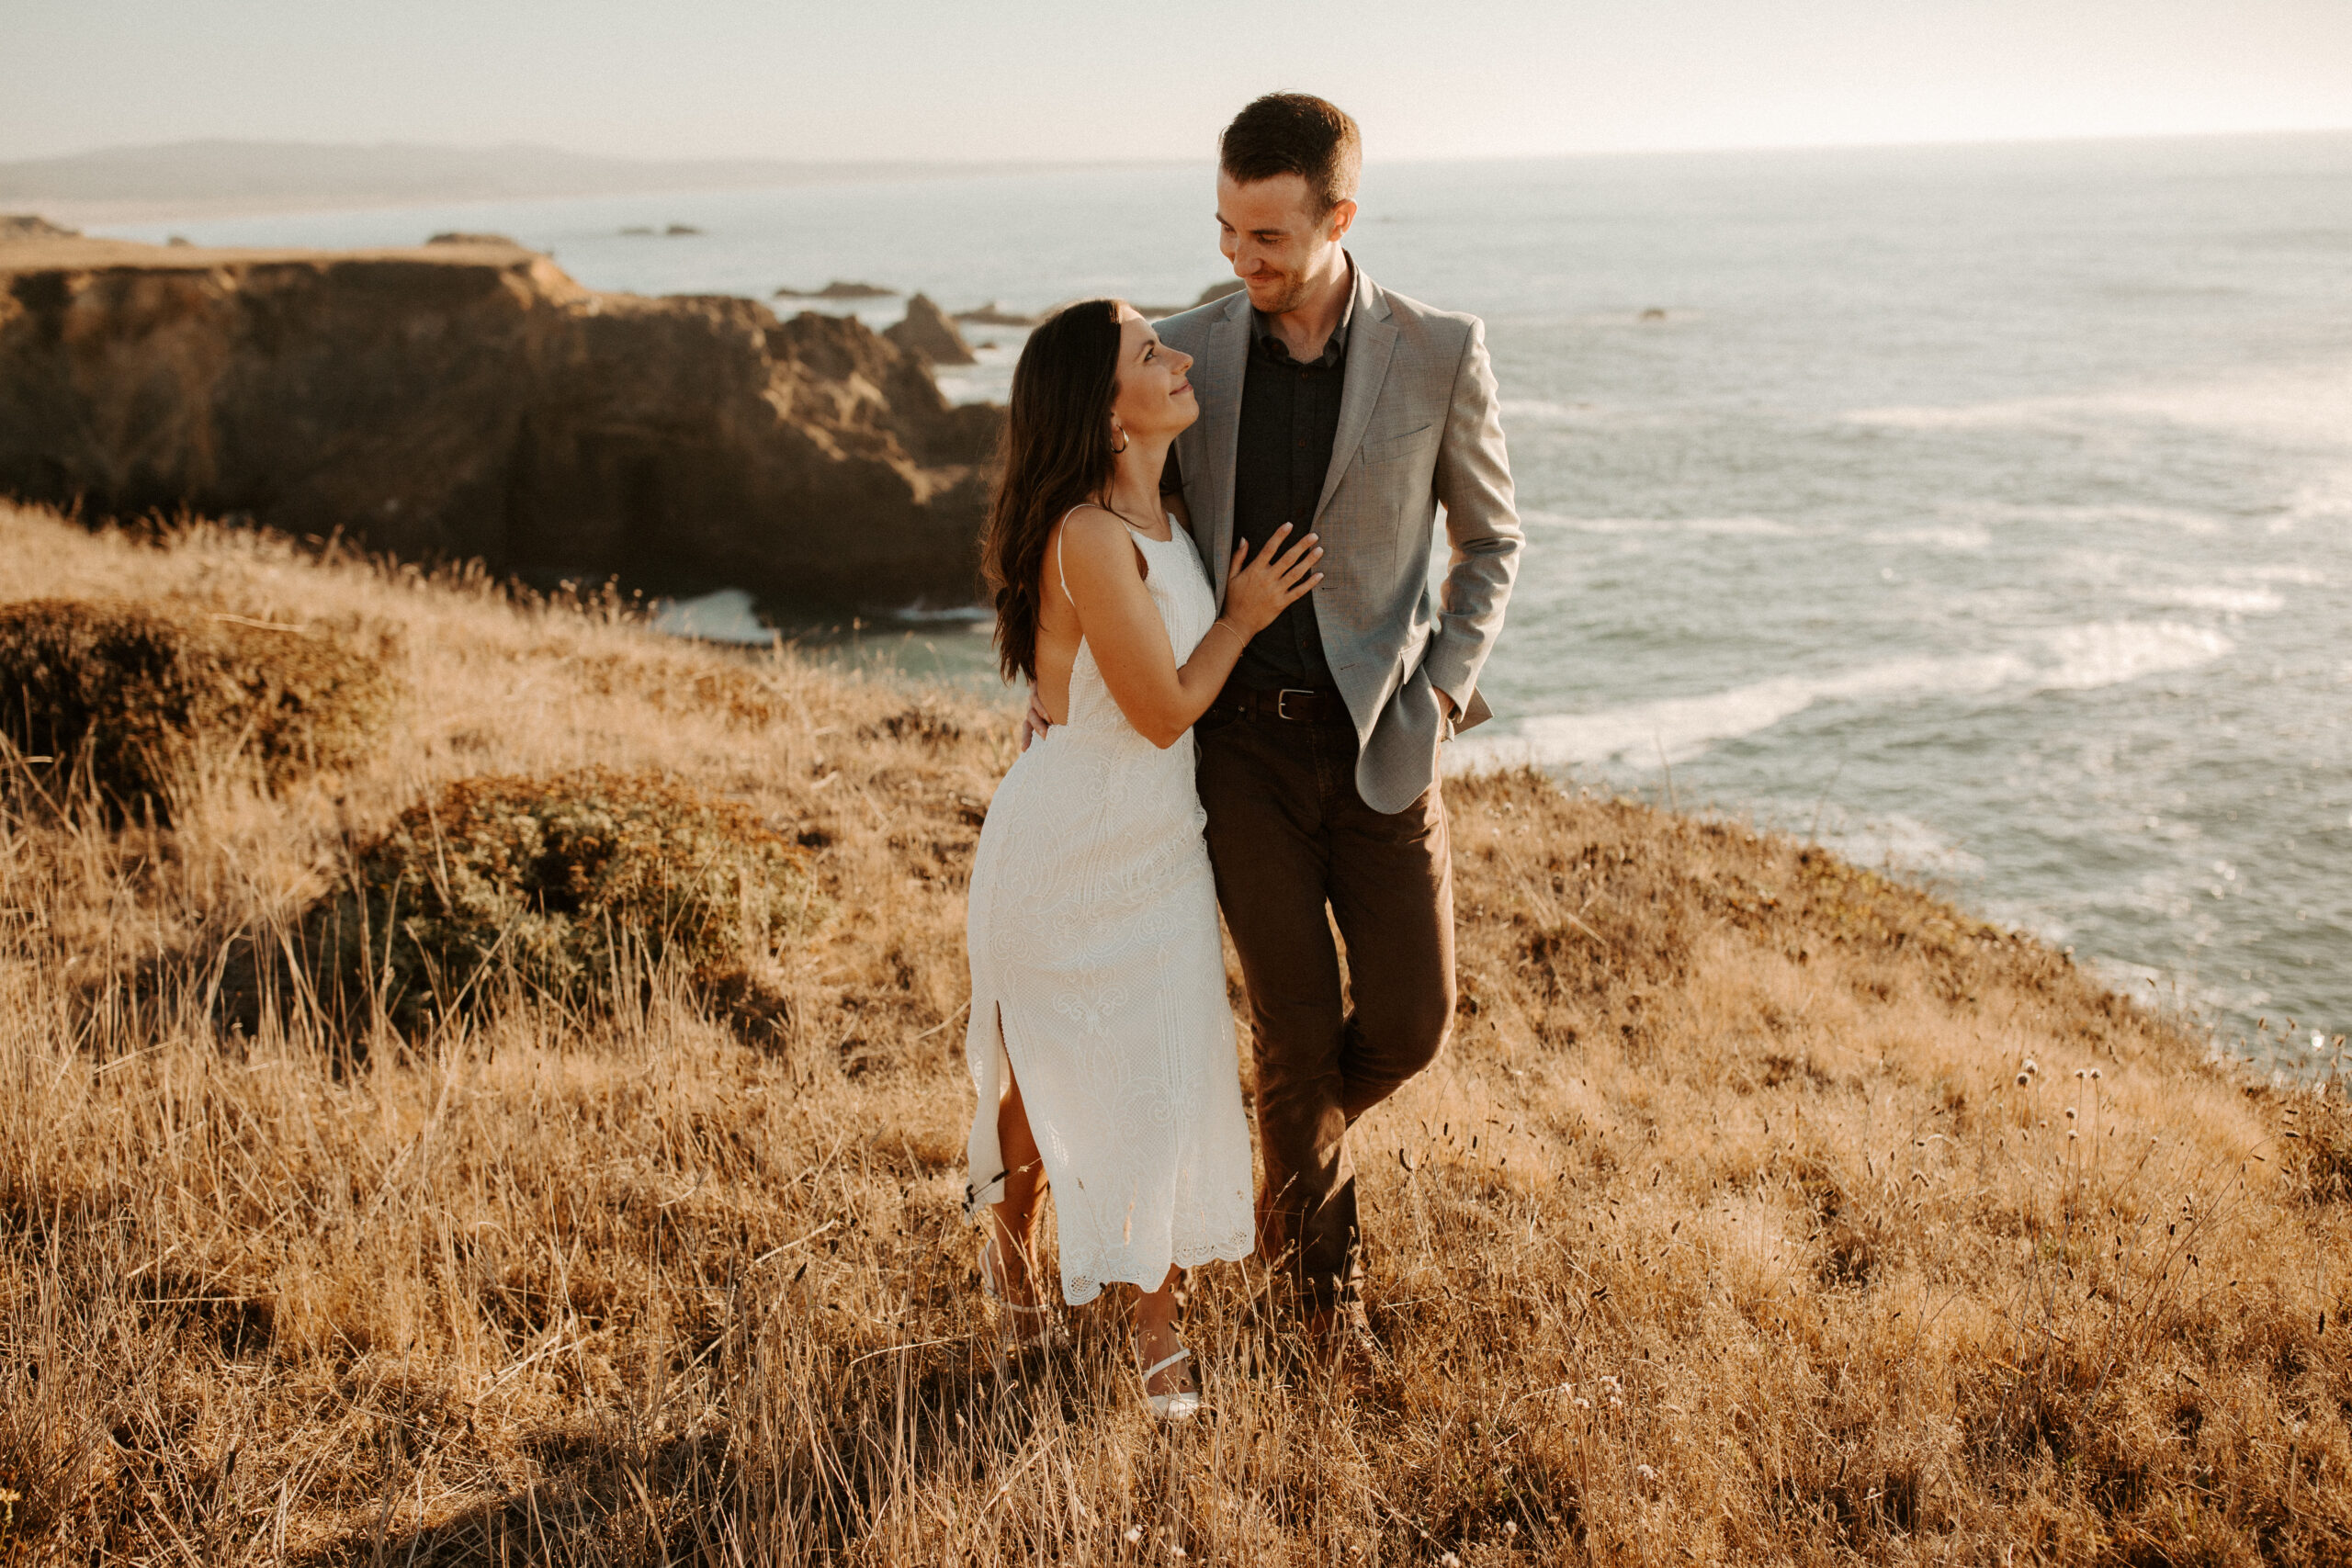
[{"x": 1419, "y": 428}]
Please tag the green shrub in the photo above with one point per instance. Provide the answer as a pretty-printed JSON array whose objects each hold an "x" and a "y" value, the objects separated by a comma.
[
  {"x": 565, "y": 887},
  {"x": 129, "y": 692}
]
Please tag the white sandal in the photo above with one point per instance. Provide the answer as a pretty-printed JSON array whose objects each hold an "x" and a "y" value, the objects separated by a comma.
[
  {"x": 1181, "y": 1405},
  {"x": 1046, "y": 1330}
]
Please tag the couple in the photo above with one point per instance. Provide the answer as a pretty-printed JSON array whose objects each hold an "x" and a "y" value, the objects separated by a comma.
[{"x": 1298, "y": 439}]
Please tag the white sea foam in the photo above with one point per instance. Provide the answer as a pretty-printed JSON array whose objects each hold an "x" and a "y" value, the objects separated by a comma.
[
  {"x": 1902, "y": 842},
  {"x": 1542, "y": 411},
  {"x": 723, "y": 616},
  {"x": 1960, "y": 540},
  {"x": 2005, "y": 512},
  {"x": 2211, "y": 596},
  {"x": 1678, "y": 728},
  {"x": 2326, "y": 498},
  {"x": 2301, "y": 404},
  {"x": 2111, "y": 653},
  {"x": 1730, "y": 528},
  {"x": 2305, "y": 576},
  {"x": 1674, "y": 729},
  {"x": 1963, "y": 416}
]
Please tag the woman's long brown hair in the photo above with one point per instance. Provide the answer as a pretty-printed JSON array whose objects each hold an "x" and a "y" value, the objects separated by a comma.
[{"x": 1057, "y": 454}]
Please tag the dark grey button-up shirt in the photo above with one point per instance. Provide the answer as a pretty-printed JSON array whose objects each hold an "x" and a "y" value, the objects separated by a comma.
[{"x": 1289, "y": 416}]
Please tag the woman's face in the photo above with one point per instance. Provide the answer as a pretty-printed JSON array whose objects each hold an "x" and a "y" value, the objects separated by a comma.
[{"x": 1153, "y": 398}]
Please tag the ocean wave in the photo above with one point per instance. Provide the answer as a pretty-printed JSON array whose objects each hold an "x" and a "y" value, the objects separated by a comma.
[
  {"x": 2211, "y": 596},
  {"x": 2327, "y": 499},
  {"x": 1675, "y": 729},
  {"x": 1731, "y": 527},
  {"x": 723, "y": 616},
  {"x": 2301, "y": 404},
  {"x": 1904, "y": 843},
  {"x": 2111, "y": 653},
  {"x": 1545, "y": 411},
  {"x": 1964, "y": 539},
  {"x": 1960, "y": 416},
  {"x": 2005, "y": 511}
]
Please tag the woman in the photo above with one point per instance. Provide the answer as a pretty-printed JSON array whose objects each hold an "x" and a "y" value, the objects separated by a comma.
[{"x": 1100, "y": 1039}]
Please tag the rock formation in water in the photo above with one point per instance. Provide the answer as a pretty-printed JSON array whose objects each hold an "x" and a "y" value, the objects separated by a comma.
[
  {"x": 839, "y": 289},
  {"x": 994, "y": 315},
  {"x": 926, "y": 332},
  {"x": 21, "y": 226},
  {"x": 469, "y": 399}
]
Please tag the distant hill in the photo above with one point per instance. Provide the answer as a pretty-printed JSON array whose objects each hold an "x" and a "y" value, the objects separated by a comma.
[{"x": 191, "y": 177}]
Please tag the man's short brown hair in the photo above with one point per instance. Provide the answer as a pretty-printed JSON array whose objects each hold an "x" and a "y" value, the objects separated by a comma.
[{"x": 1295, "y": 133}]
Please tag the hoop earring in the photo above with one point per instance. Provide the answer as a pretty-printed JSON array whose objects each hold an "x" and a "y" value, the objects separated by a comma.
[{"x": 1123, "y": 442}]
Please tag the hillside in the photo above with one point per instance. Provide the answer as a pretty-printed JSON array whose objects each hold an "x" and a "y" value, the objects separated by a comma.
[{"x": 1763, "y": 1210}]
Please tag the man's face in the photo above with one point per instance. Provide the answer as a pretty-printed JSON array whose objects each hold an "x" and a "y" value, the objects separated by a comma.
[{"x": 1278, "y": 245}]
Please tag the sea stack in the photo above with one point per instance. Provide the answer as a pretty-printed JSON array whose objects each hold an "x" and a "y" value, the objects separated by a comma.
[{"x": 926, "y": 332}]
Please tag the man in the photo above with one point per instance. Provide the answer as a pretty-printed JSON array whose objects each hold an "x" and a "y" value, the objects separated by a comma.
[{"x": 1330, "y": 403}]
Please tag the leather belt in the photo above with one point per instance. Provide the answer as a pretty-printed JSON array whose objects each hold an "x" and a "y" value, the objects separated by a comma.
[{"x": 1294, "y": 705}]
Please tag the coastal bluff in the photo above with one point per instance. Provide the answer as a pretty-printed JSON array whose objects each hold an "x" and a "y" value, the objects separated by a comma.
[
  {"x": 469, "y": 399},
  {"x": 1762, "y": 1212}
]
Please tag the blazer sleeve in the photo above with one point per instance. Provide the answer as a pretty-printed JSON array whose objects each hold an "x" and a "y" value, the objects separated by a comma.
[{"x": 1472, "y": 484}]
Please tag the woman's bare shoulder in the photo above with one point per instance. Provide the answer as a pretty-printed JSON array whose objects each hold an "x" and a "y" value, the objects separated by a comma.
[{"x": 1096, "y": 535}]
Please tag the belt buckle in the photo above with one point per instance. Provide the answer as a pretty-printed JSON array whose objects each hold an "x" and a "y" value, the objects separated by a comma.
[{"x": 1281, "y": 703}]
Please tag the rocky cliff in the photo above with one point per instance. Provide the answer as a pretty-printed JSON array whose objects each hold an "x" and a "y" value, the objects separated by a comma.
[{"x": 467, "y": 399}]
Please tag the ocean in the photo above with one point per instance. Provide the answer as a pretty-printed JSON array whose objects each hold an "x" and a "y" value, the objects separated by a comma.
[{"x": 1985, "y": 512}]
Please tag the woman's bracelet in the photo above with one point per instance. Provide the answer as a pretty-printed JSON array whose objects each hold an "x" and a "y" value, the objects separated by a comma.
[{"x": 1229, "y": 626}]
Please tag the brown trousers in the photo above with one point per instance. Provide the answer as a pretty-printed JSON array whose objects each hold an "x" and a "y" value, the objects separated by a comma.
[{"x": 1288, "y": 836}]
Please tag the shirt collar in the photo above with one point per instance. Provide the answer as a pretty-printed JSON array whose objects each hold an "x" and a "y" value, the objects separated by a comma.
[{"x": 1261, "y": 326}]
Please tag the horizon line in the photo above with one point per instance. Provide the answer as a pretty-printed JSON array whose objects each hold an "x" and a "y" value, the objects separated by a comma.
[{"x": 1015, "y": 162}]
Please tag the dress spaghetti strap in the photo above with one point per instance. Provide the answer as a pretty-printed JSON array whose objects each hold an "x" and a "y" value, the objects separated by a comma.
[{"x": 1061, "y": 537}]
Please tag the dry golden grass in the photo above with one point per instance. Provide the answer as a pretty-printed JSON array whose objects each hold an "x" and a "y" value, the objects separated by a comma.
[{"x": 1723, "y": 1233}]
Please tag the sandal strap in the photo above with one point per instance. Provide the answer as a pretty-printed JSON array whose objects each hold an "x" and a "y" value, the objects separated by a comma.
[
  {"x": 1159, "y": 1366},
  {"x": 991, "y": 1259}
]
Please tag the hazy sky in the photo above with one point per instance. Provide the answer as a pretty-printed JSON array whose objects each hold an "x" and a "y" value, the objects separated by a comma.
[{"x": 1066, "y": 78}]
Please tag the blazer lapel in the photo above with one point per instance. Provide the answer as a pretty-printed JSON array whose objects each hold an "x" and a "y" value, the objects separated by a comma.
[
  {"x": 1372, "y": 337},
  {"x": 1226, "y": 365}
]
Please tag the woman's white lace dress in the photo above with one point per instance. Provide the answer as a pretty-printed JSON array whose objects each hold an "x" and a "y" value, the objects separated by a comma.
[{"x": 1097, "y": 971}]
